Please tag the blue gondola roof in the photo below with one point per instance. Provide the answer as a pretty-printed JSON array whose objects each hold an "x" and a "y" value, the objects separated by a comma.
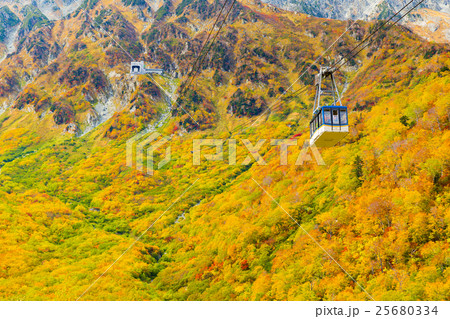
[{"x": 330, "y": 107}]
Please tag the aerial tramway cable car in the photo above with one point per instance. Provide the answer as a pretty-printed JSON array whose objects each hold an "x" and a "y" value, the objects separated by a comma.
[{"x": 329, "y": 123}]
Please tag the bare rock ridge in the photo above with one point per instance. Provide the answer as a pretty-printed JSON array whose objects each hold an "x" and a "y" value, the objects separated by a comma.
[
  {"x": 9, "y": 25},
  {"x": 431, "y": 19},
  {"x": 334, "y": 9},
  {"x": 430, "y": 25},
  {"x": 52, "y": 9},
  {"x": 422, "y": 22},
  {"x": 8, "y": 20},
  {"x": 354, "y": 9},
  {"x": 12, "y": 28}
]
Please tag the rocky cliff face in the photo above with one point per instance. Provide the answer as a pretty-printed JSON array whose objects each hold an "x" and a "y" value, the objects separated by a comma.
[
  {"x": 354, "y": 9},
  {"x": 15, "y": 26},
  {"x": 9, "y": 25},
  {"x": 52, "y": 9},
  {"x": 430, "y": 25},
  {"x": 8, "y": 20},
  {"x": 334, "y": 9},
  {"x": 430, "y": 20}
]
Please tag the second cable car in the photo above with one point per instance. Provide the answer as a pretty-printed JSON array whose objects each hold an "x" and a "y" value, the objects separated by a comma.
[{"x": 329, "y": 123}]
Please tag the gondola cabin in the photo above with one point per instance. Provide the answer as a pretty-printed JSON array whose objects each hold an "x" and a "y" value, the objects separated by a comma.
[
  {"x": 328, "y": 126},
  {"x": 329, "y": 123}
]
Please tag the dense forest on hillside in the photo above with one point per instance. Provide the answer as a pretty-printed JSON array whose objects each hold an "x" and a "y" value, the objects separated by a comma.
[{"x": 70, "y": 205}]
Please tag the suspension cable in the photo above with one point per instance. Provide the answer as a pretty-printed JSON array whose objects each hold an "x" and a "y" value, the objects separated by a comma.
[
  {"x": 305, "y": 87},
  {"x": 207, "y": 39},
  {"x": 209, "y": 48},
  {"x": 387, "y": 28}
]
